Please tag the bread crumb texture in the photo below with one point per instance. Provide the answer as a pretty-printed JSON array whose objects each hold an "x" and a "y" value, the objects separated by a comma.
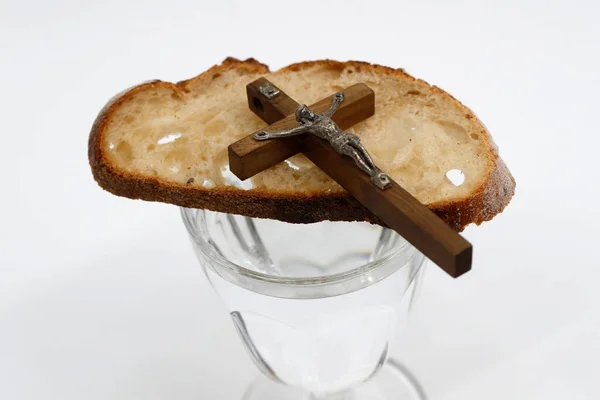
[
  {"x": 418, "y": 134},
  {"x": 168, "y": 142}
]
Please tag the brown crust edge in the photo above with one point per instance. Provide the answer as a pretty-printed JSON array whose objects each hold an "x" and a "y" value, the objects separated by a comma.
[{"x": 488, "y": 200}]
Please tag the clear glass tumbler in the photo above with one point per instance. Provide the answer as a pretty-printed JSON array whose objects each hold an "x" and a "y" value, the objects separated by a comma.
[{"x": 316, "y": 305}]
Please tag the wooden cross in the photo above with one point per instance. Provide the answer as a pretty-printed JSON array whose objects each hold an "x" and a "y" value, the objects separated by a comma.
[{"x": 397, "y": 208}]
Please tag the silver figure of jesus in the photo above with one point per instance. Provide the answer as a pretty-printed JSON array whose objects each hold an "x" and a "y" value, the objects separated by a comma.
[{"x": 345, "y": 143}]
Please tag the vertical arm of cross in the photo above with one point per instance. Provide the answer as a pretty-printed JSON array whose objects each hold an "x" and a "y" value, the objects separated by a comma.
[{"x": 397, "y": 208}]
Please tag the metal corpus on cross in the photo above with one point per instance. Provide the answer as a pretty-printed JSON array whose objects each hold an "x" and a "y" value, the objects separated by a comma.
[{"x": 318, "y": 132}]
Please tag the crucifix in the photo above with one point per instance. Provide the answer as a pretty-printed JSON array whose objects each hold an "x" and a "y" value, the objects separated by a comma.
[{"x": 318, "y": 132}]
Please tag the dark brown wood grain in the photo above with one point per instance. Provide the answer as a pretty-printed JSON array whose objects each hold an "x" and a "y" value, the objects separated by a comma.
[
  {"x": 271, "y": 110},
  {"x": 397, "y": 208},
  {"x": 247, "y": 157}
]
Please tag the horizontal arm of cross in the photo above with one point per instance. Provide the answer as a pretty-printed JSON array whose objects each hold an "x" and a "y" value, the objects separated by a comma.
[{"x": 247, "y": 157}]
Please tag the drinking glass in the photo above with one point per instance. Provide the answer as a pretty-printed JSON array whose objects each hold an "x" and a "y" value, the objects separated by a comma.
[{"x": 316, "y": 305}]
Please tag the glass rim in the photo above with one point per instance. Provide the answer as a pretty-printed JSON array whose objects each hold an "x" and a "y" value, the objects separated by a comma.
[{"x": 403, "y": 248}]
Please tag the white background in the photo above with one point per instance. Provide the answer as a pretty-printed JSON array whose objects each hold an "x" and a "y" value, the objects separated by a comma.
[{"x": 102, "y": 298}]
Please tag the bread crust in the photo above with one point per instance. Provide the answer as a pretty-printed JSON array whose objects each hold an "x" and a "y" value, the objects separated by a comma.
[{"x": 486, "y": 201}]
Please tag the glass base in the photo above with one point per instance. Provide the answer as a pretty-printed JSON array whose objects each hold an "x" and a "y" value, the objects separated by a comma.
[{"x": 393, "y": 381}]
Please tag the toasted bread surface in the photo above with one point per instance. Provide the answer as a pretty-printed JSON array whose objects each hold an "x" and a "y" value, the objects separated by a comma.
[{"x": 167, "y": 142}]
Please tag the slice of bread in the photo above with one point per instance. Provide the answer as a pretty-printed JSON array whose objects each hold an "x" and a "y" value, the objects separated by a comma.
[{"x": 167, "y": 142}]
